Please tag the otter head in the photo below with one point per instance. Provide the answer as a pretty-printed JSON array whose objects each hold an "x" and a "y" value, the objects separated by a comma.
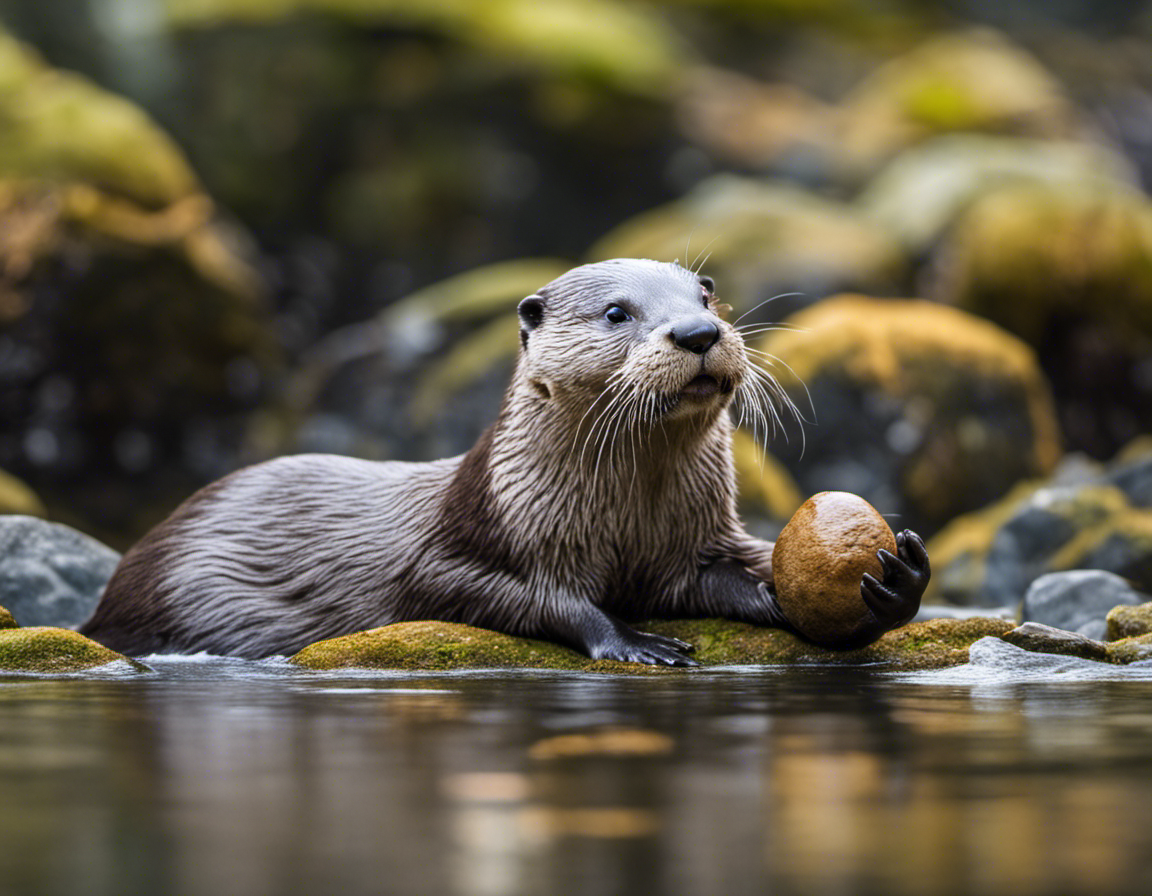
[{"x": 645, "y": 335}]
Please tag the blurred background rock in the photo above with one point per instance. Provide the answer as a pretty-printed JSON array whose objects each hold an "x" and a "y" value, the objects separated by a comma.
[{"x": 235, "y": 228}]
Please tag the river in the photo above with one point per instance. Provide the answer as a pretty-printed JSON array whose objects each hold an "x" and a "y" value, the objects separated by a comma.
[{"x": 231, "y": 778}]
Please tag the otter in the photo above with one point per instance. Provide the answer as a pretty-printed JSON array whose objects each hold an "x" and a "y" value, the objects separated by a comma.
[{"x": 604, "y": 494}]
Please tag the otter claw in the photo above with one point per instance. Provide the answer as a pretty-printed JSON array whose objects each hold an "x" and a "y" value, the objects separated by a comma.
[{"x": 895, "y": 600}]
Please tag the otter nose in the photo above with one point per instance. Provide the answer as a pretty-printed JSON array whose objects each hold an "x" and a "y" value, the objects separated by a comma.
[{"x": 697, "y": 334}]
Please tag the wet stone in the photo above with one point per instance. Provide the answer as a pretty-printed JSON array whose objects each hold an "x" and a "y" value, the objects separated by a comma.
[
  {"x": 1078, "y": 600},
  {"x": 1040, "y": 638}
]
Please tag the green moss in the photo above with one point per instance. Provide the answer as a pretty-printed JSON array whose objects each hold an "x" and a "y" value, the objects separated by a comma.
[
  {"x": 6, "y": 619},
  {"x": 54, "y": 651},
  {"x": 444, "y": 645},
  {"x": 60, "y": 127}
]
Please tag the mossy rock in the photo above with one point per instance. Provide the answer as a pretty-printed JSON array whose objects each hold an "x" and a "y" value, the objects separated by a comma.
[
  {"x": 443, "y": 646},
  {"x": 1129, "y": 622},
  {"x": 973, "y": 80},
  {"x": 6, "y": 619},
  {"x": 925, "y": 411},
  {"x": 1027, "y": 255},
  {"x": 60, "y": 127},
  {"x": 1130, "y": 650},
  {"x": 924, "y": 190},
  {"x": 759, "y": 239},
  {"x": 16, "y": 497},
  {"x": 1122, "y": 544},
  {"x": 54, "y": 651},
  {"x": 625, "y": 46}
]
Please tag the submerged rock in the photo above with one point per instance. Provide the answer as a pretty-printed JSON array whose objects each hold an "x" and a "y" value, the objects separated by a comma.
[
  {"x": 444, "y": 645},
  {"x": 54, "y": 651},
  {"x": 923, "y": 410},
  {"x": 1078, "y": 600},
  {"x": 1129, "y": 622},
  {"x": 51, "y": 574}
]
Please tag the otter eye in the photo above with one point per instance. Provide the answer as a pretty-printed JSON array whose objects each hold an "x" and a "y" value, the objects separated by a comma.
[
  {"x": 616, "y": 315},
  {"x": 708, "y": 287}
]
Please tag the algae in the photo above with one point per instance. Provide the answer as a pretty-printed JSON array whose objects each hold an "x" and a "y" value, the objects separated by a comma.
[{"x": 6, "y": 619}]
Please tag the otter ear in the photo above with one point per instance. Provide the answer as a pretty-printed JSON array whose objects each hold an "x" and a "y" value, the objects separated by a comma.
[{"x": 531, "y": 311}]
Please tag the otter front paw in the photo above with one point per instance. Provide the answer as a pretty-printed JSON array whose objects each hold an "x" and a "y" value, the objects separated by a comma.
[
  {"x": 630, "y": 646},
  {"x": 895, "y": 600}
]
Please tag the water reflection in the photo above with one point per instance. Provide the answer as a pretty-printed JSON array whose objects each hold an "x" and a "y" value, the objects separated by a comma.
[{"x": 250, "y": 780}]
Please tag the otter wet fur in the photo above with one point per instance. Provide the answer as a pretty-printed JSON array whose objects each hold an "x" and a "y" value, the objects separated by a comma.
[{"x": 603, "y": 494}]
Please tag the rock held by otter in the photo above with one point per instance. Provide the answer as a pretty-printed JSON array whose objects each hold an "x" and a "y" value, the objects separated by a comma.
[{"x": 604, "y": 493}]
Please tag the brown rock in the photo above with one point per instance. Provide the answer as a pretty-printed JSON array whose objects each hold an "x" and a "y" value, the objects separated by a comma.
[
  {"x": 1040, "y": 638},
  {"x": 819, "y": 559}
]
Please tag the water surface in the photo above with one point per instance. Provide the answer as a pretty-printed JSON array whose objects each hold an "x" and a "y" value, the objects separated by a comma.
[{"x": 217, "y": 777}]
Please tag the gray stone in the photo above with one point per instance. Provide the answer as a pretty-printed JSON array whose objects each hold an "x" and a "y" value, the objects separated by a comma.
[
  {"x": 1134, "y": 478},
  {"x": 1078, "y": 600},
  {"x": 51, "y": 574},
  {"x": 1046, "y": 639}
]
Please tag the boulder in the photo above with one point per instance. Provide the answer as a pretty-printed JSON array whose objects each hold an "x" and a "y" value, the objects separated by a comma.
[
  {"x": 761, "y": 240},
  {"x": 975, "y": 80},
  {"x": 1078, "y": 600},
  {"x": 51, "y": 574},
  {"x": 923, "y": 410},
  {"x": 442, "y": 645},
  {"x": 1068, "y": 268}
]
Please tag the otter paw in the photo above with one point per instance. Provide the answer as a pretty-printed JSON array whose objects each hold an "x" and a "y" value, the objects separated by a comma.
[
  {"x": 645, "y": 647},
  {"x": 895, "y": 600}
]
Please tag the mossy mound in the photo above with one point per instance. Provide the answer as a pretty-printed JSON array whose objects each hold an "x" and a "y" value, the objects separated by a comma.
[
  {"x": 973, "y": 80},
  {"x": 1130, "y": 622},
  {"x": 924, "y": 410},
  {"x": 6, "y": 619},
  {"x": 761, "y": 239},
  {"x": 443, "y": 646},
  {"x": 1030, "y": 254},
  {"x": 54, "y": 651}
]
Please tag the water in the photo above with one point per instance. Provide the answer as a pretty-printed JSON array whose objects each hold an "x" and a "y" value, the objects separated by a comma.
[{"x": 228, "y": 778}]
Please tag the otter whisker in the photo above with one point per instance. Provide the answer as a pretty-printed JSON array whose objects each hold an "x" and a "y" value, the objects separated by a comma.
[{"x": 783, "y": 295}]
